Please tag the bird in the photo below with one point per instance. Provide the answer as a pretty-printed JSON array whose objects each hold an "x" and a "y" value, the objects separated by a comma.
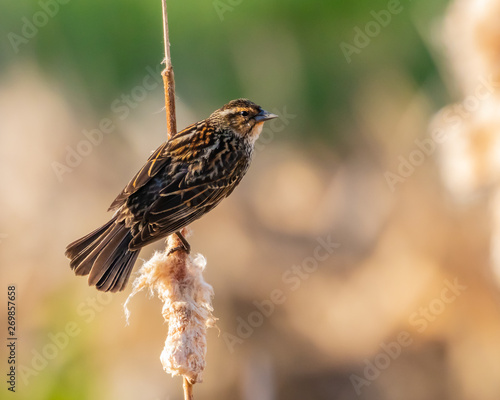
[{"x": 183, "y": 179}]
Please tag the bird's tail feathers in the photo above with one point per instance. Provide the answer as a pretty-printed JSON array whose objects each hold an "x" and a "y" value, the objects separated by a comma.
[{"x": 104, "y": 255}]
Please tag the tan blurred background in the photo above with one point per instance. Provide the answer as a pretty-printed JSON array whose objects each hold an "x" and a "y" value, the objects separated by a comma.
[{"x": 360, "y": 256}]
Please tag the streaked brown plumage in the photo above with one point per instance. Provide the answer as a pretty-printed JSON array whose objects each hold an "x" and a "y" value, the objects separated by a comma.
[{"x": 182, "y": 180}]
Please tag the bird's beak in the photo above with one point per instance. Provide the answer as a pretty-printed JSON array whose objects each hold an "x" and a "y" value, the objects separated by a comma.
[{"x": 264, "y": 116}]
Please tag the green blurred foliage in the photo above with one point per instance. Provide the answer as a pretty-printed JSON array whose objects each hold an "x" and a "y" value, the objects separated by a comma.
[{"x": 293, "y": 48}]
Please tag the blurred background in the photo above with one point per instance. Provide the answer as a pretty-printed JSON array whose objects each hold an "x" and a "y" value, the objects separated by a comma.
[{"x": 359, "y": 258}]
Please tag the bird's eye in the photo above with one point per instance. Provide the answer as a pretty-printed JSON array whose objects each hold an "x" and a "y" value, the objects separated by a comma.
[{"x": 244, "y": 113}]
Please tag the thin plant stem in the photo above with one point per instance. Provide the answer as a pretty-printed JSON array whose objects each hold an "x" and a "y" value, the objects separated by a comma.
[
  {"x": 169, "y": 83},
  {"x": 168, "y": 78},
  {"x": 188, "y": 389}
]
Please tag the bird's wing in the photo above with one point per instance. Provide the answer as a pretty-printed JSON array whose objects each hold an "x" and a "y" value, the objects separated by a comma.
[
  {"x": 161, "y": 223},
  {"x": 196, "y": 193},
  {"x": 156, "y": 161}
]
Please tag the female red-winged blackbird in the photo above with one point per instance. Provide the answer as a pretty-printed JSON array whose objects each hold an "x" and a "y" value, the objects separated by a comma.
[{"x": 183, "y": 179}]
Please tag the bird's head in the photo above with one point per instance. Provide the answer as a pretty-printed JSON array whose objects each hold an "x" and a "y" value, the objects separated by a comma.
[{"x": 242, "y": 117}]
